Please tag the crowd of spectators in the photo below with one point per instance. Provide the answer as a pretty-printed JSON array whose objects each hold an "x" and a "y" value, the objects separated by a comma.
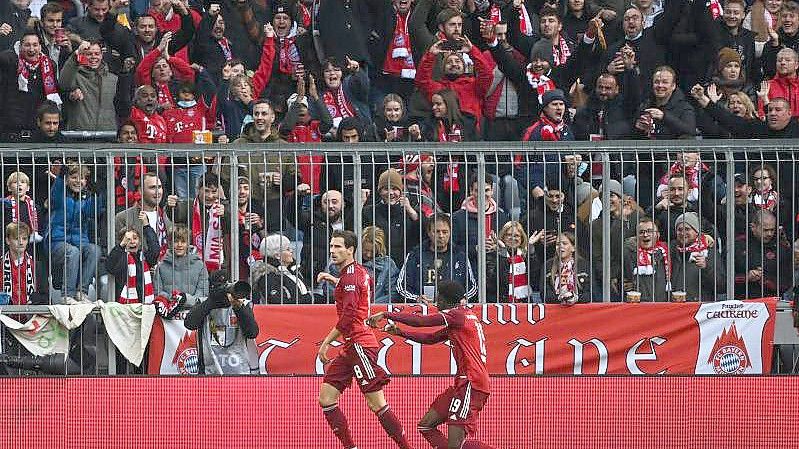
[{"x": 309, "y": 71}]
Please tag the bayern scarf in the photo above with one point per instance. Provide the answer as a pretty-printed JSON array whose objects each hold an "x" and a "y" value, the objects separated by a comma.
[
  {"x": 518, "y": 287},
  {"x": 47, "y": 71},
  {"x": 11, "y": 280},
  {"x": 645, "y": 266},
  {"x": 129, "y": 295},
  {"x": 33, "y": 216},
  {"x": 210, "y": 244}
]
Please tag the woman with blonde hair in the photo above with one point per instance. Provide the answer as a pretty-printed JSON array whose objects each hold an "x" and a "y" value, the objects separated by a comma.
[
  {"x": 568, "y": 280},
  {"x": 381, "y": 267},
  {"x": 510, "y": 256}
]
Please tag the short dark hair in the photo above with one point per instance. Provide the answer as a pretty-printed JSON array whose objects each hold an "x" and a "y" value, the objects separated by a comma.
[
  {"x": 51, "y": 8},
  {"x": 350, "y": 239},
  {"x": 449, "y": 294},
  {"x": 489, "y": 180},
  {"x": 124, "y": 124},
  {"x": 47, "y": 107},
  {"x": 210, "y": 180},
  {"x": 122, "y": 231},
  {"x": 350, "y": 123}
]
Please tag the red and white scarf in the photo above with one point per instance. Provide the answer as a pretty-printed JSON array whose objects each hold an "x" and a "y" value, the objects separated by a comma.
[
  {"x": 494, "y": 14},
  {"x": 767, "y": 199},
  {"x": 289, "y": 55},
  {"x": 699, "y": 247},
  {"x": 399, "y": 58},
  {"x": 560, "y": 51},
  {"x": 47, "y": 72},
  {"x": 33, "y": 216},
  {"x": 250, "y": 241},
  {"x": 160, "y": 230},
  {"x": 451, "y": 182},
  {"x": 224, "y": 43},
  {"x": 306, "y": 16},
  {"x": 566, "y": 279},
  {"x": 715, "y": 9},
  {"x": 470, "y": 205},
  {"x": 129, "y": 295},
  {"x": 337, "y": 104},
  {"x": 645, "y": 266},
  {"x": 449, "y": 134},
  {"x": 518, "y": 285},
  {"x": 525, "y": 24},
  {"x": 12, "y": 280},
  {"x": 539, "y": 82},
  {"x": 164, "y": 95},
  {"x": 210, "y": 244}
]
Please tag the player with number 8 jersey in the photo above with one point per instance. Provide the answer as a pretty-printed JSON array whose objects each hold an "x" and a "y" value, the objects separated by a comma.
[
  {"x": 459, "y": 405},
  {"x": 358, "y": 358}
]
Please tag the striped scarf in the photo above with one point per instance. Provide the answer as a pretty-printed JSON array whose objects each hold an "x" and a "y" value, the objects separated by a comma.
[
  {"x": 210, "y": 244},
  {"x": 129, "y": 295},
  {"x": 12, "y": 280},
  {"x": 767, "y": 199},
  {"x": 518, "y": 286},
  {"x": 646, "y": 266},
  {"x": 33, "y": 216},
  {"x": 565, "y": 279}
]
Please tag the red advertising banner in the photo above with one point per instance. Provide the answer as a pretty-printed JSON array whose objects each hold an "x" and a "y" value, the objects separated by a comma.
[
  {"x": 729, "y": 337},
  {"x": 282, "y": 412}
]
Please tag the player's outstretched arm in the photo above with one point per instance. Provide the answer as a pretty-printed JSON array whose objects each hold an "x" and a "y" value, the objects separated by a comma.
[
  {"x": 425, "y": 338},
  {"x": 414, "y": 320}
]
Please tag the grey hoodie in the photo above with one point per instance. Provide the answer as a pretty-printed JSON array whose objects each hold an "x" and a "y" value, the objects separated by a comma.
[{"x": 187, "y": 274}]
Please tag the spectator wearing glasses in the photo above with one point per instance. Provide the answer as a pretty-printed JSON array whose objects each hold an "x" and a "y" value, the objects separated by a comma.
[{"x": 647, "y": 263}]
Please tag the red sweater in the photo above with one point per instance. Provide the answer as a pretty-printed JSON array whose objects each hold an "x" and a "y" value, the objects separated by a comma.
[{"x": 471, "y": 90}]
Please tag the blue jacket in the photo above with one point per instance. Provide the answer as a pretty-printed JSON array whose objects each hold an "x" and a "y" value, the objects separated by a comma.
[
  {"x": 384, "y": 274},
  {"x": 73, "y": 218},
  {"x": 419, "y": 272}
]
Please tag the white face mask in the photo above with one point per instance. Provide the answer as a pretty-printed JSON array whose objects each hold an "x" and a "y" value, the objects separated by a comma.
[{"x": 187, "y": 104}]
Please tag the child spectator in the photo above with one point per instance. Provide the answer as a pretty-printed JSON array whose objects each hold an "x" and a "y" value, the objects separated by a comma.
[
  {"x": 19, "y": 280},
  {"x": 130, "y": 265},
  {"x": 182, "y": 270},
  {"x": 19, "y": 207}
]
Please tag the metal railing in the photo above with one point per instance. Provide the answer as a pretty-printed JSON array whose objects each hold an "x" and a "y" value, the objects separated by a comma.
[{"x": 595, "y": 192}]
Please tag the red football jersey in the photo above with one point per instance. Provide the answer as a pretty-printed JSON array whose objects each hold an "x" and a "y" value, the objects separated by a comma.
[
  {"x": 465, "y": 332},
  {"x": 150, "y": 128},
  {"x": 182, "y": 122},
  {"x": 353, "y": 295}
]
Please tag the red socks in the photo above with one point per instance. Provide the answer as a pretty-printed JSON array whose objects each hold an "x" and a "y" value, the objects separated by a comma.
[
  {"x": 434, "y": 437},
  {"x": 392, "y": 426},
  {"x": 338, "y": 422}
]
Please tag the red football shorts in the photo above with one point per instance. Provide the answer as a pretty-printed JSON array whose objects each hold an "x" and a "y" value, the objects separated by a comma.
[
  {"x": 359, "y": 362},
  {"x": 460, "y": 405}
]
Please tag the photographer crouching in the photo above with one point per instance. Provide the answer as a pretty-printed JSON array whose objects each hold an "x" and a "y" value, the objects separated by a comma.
[{"x": 226, "y": 328}]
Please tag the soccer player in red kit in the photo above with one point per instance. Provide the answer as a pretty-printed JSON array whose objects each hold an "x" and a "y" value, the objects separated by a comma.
[
  {"x": 459, "y": 404},
  {"x": 359, "y": 355}
]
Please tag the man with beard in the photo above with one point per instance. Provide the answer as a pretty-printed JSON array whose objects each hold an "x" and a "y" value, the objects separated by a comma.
[
  {"x": 763, "y": 259},
  {"x": 150, "y": 125},
  {"x": 610, "y": 110},
  {"x": 318, "y": 225},
  {"x": 743, "y": 210},
  {"x": 471, "y": 89},
  {"x": 648, "y": 53},
  {"x": 27, "y": 79},
  {"x": 151, "y": 192},
  {"x": 674, "y": 203}
]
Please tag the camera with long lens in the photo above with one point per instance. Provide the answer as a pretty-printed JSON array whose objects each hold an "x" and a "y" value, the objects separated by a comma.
[{"x": 238, "y": 289}]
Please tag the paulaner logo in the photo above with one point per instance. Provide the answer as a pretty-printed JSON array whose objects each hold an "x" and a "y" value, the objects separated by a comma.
[{"x": 729, "y": 354}]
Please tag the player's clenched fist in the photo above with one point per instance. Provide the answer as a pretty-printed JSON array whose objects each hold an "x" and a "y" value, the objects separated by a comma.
[{"x": 374, "y": 319}]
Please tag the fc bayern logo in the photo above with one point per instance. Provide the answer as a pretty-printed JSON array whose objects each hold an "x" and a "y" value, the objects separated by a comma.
[
  {"x": 730, "y": 360},
  {"x": 187, "y": 361}
]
